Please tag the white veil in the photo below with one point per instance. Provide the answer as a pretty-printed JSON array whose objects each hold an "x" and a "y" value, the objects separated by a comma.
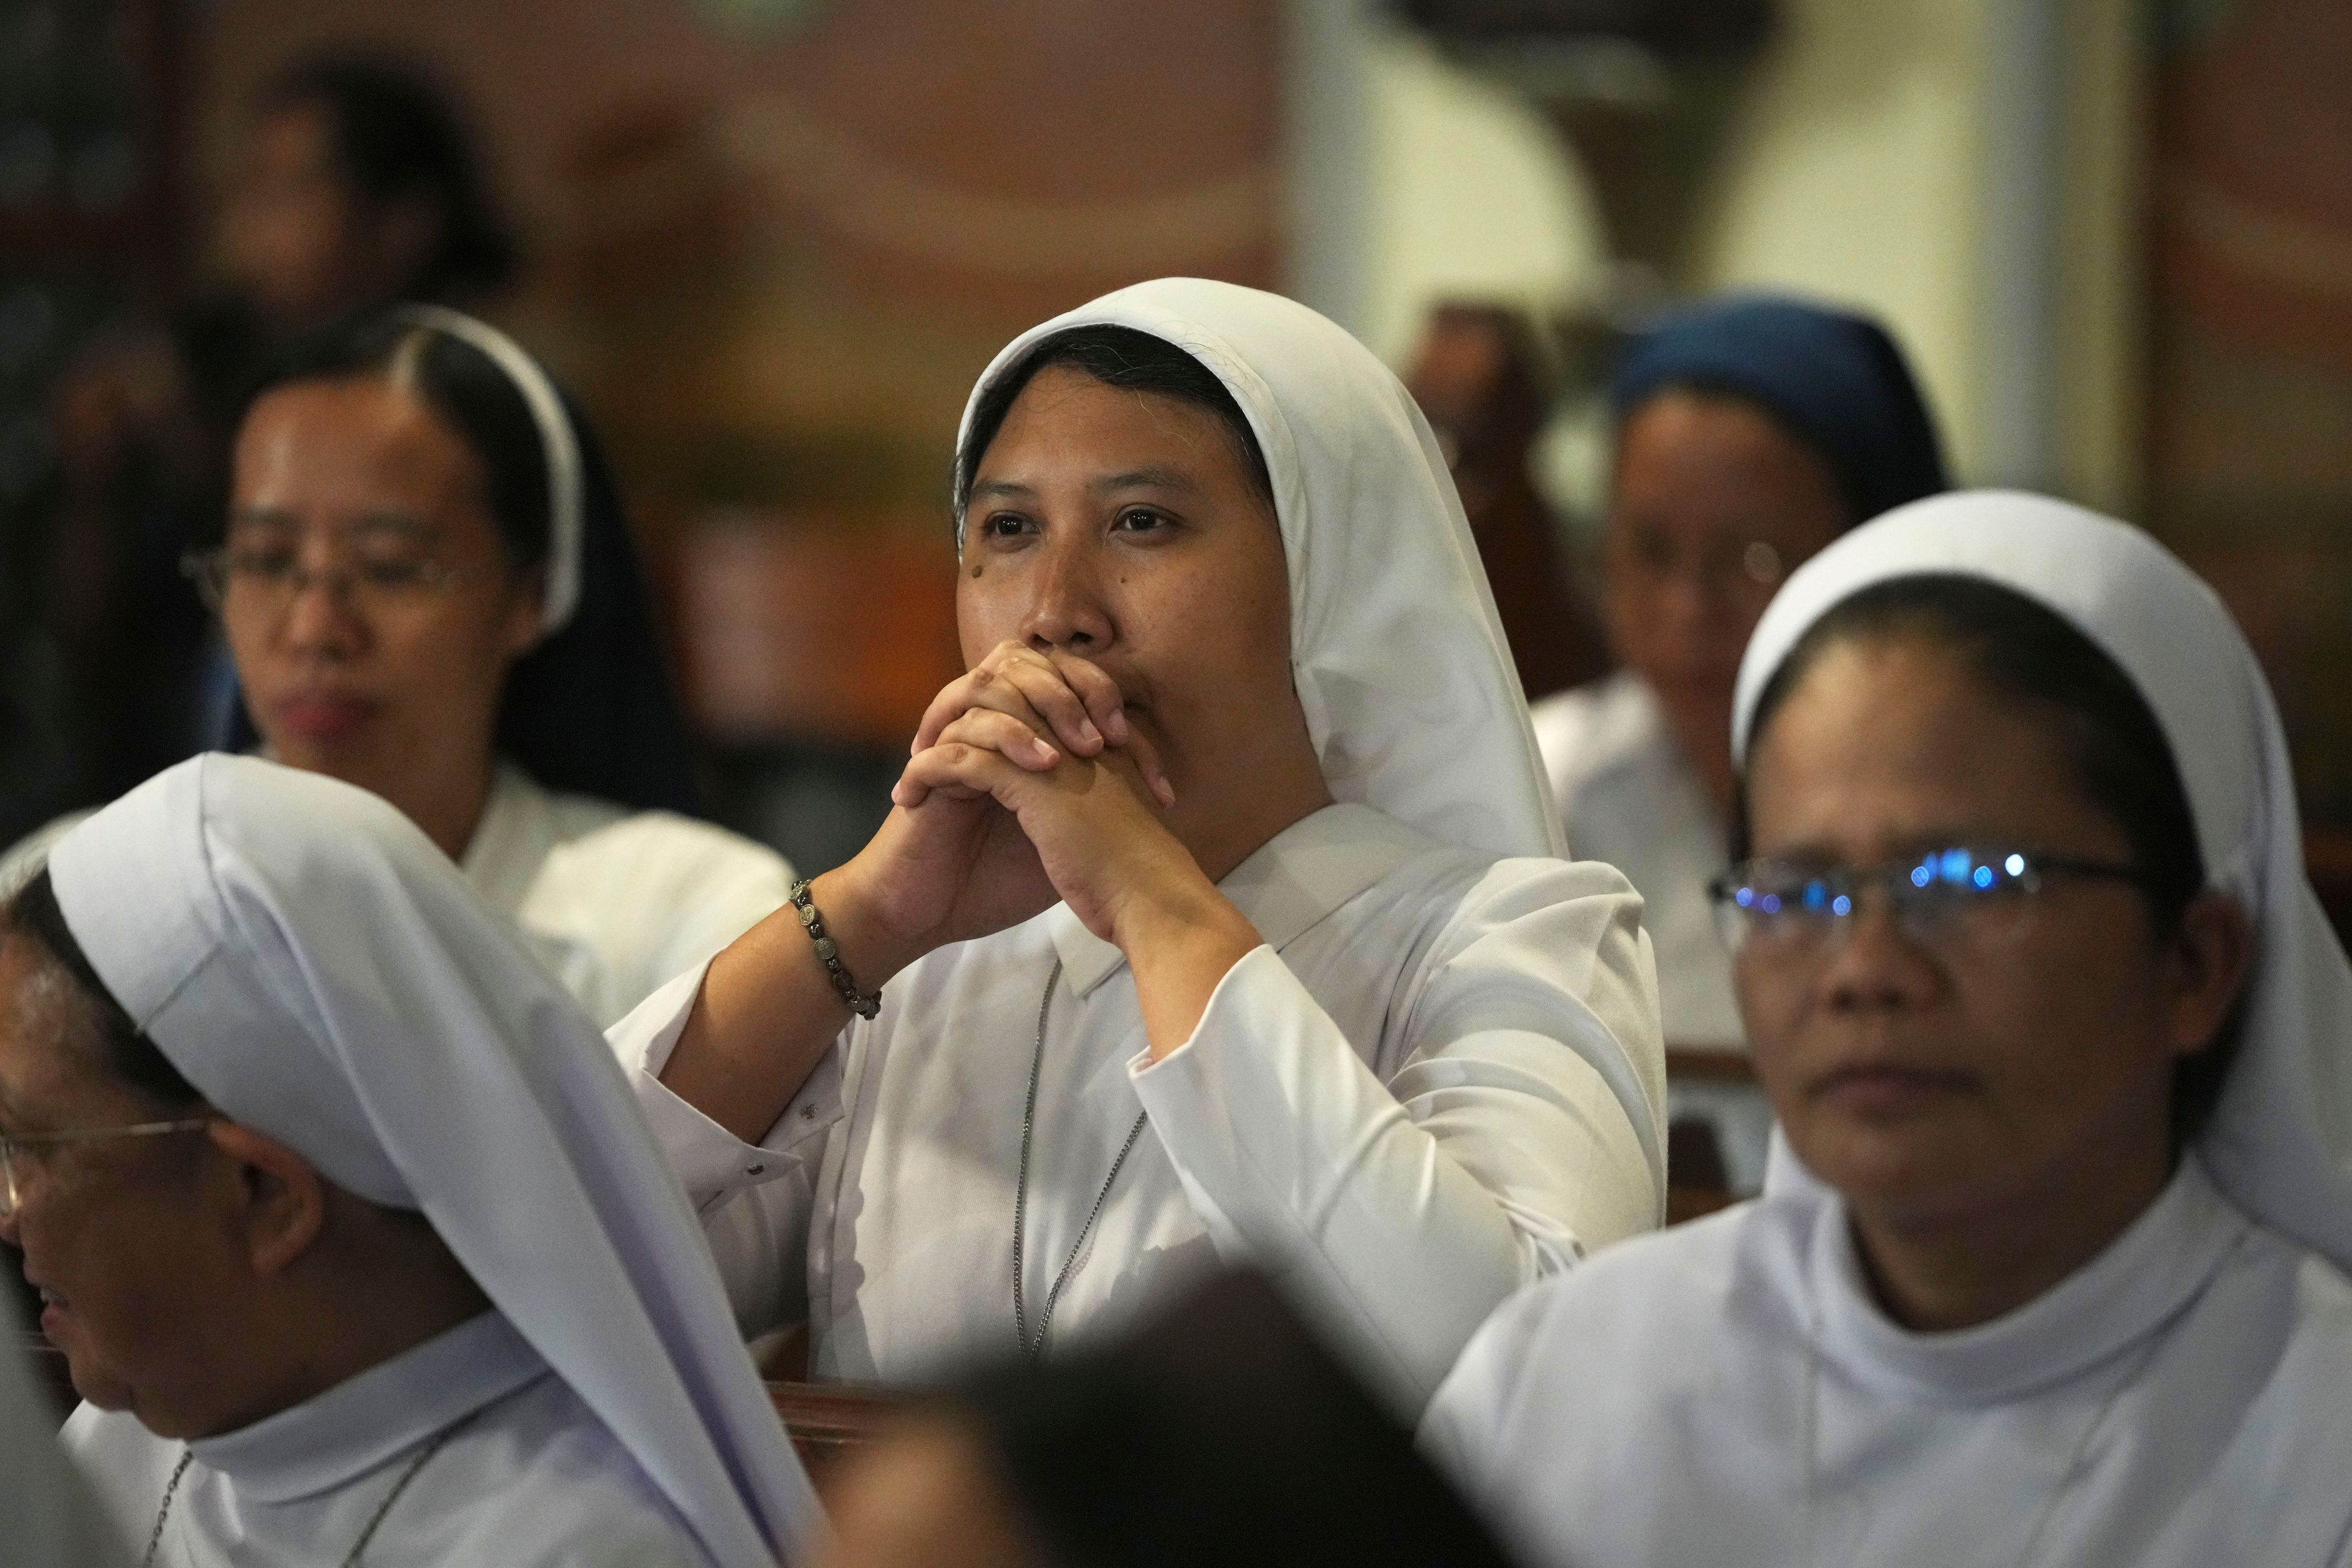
[
  {"x": 2280, "y": 1142},
  {"x": 312, "y": 965},
  {"x": 1399, "y": 659}
]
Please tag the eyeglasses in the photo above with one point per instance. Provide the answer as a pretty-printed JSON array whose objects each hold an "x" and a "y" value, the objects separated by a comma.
[
  {"x": 1940, "y": 897},
  {"x": 1647, "y": 561},
  {"x": 11, "y": 1146},
  {"x": 270, "y": 578}
]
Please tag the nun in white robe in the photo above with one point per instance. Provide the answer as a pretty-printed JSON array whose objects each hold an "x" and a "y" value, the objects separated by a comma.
[
  {"x": 1731, "y": 1392},
  {"x": 307, "y": 960},
  {"x": 588, "y": 839},
  {"x": 1440, "y": 1078}
]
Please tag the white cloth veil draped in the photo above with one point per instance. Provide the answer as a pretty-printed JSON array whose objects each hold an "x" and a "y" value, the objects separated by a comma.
[
  {"x": 308, "y": 958},
  {"x": 1397, "y": 655},
  {"x": 2280, "y": 1142}
]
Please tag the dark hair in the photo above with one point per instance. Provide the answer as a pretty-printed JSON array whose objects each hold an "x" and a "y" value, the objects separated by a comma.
[
  {"x": 2031, "y": 655},
  {"x": 589, "y": 709},
  {"x": 128, "y": 1055},
  {"x": 397, "y": 138},
  {"x": 466, "y": 387},
  {"x": 1121, "y": 357},
  {"x": 1218, "y": 1430}
]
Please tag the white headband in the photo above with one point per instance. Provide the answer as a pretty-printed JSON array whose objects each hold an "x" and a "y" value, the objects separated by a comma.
[{"x": 557, "y": 440}]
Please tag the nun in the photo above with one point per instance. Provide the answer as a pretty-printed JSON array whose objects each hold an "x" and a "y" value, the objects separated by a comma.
[
  {"x": 1750, "y": 431},
  {"x": 2051, "y": 1265},
  {"x": 355, "y": 1242},
  {"x": 1220, "y": 914},
  {"x": 429, "y": 589}
]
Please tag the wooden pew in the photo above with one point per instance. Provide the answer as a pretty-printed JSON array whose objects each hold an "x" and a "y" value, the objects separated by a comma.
[{"x": 1697, "y": 1182}]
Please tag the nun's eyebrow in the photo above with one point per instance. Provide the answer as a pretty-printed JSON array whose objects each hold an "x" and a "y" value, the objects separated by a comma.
[
  {"x": 994, "y": 488},
  {"x": 1151, "y": 478}
]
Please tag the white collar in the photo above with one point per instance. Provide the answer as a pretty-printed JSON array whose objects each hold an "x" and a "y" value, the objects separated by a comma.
[
  {"x": 368, "y": 1419},
  {"x": 2133, "y": 1287},
  {"x": 511, "y": 840},
  {"x": 1287, "y": 885}
]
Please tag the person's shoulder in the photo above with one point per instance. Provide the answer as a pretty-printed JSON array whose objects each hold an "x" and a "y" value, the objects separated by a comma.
[
  {"x": 662, "y": 847},
  {"x": 567, "y": 1493},
  {"x": 1594, "y": 730},
  {"x": 1624, "y": 1319}
]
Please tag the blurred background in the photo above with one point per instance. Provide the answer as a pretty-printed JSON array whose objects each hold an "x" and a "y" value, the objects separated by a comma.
[{"x": 769, "y": 243}]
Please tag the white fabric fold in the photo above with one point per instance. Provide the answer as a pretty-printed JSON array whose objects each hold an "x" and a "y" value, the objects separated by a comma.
[
  {"x": 322, "y": 973},
  {"x": 2280, "y": 1142}
]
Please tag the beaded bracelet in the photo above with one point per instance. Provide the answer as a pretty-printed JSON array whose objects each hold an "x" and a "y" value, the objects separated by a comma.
[{"x": 865, "y": 1004}]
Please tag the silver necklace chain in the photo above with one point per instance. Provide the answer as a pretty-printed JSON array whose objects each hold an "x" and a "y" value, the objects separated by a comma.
[
  {"x": 1811, "y": 1423},
  {"x": 1033, "y": 1350},
  {"x": 440, "y": 1440}
]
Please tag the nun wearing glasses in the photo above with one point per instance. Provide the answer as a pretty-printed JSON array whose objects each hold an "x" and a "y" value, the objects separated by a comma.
[
  {"x": 429, "y": 590},
  {"x": 353, "y": 1238},
  {"x": 2049, "y": 1267}
]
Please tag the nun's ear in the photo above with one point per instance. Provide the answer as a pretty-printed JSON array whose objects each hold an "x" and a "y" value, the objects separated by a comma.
[
  {"x": 279, "y": 1202},
  {"x": 2213, "y": 953},
  {"x": 526, "y": 613}
]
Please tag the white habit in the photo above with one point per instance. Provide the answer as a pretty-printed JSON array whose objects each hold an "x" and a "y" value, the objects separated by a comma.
[
  {"x": 1731, "y": 1392},
  {"x": 529, "y": 1480},
  {"x": 1627, "y": 797},
  {"x": 319, "y": 972},
  {"x": 612, "y": 902},
  {"x": 1438, "y": 1080}
]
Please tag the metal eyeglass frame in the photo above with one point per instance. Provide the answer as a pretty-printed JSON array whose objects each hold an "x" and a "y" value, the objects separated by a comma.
[
  {"x": 11, "y": 1142},
  {"x": 1833, "y": 893}
]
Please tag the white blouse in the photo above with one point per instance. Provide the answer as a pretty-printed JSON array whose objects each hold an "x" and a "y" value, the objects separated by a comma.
[
  {"x": 611, "y": 901},
  {"x": 531, "y": 1479},
  {"x": 1626, "y": 796},
  {"x": 1730, "y": 1392},
  {"x": 1439, "y": 1080}
]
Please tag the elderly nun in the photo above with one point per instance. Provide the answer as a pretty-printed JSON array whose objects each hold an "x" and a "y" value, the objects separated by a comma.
[
  {"x": 354, "y": 1239},
  {"x": 1750, "y": 431},
  {"x": 2051, "y": 1267},
  {"x": 1220, "y": 914}
]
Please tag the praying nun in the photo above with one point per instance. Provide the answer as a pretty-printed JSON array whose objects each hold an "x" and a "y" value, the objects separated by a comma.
[{"x": 1221, "y": 896}]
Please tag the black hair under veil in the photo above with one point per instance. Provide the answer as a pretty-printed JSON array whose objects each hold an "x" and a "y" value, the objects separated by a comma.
[{"x": 590, "y": 710}]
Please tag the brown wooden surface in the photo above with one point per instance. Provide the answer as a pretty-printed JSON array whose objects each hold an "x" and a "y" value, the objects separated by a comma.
[{"x": 1708, "y": 1065}]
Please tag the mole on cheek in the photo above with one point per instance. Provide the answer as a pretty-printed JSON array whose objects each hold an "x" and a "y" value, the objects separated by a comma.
[{"x": 975, "y": 572}]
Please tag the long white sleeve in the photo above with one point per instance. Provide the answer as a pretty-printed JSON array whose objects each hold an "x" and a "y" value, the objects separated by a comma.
[
  {"x": 1505, "y": 1146},
  {"x": 753, "y": 1198}
]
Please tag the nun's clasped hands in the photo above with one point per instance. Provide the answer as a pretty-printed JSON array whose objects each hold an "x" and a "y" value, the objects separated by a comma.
[{"x": 1028, "y": 764}]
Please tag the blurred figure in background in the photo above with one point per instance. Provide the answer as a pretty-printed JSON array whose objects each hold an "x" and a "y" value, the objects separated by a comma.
[
  {"x": 429, "y": 589},
  {"x": 1218, "y": 1432},
  {"x": 354, "y": 186},
  {"x": 1751, "y": 431},
  {"x": 1480, "y": 378}
]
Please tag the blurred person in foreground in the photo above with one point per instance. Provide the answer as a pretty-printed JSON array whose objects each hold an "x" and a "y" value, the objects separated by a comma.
[
  {"x": 1751, "y": 431},
  {"x": 353, "y": 185},
  {"x": 2050, "y": 1268},
  {"x": 1218, "y": 1432},
  {"x": 355, "y": 1242},
  {"x": 429, "y": 589}
]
